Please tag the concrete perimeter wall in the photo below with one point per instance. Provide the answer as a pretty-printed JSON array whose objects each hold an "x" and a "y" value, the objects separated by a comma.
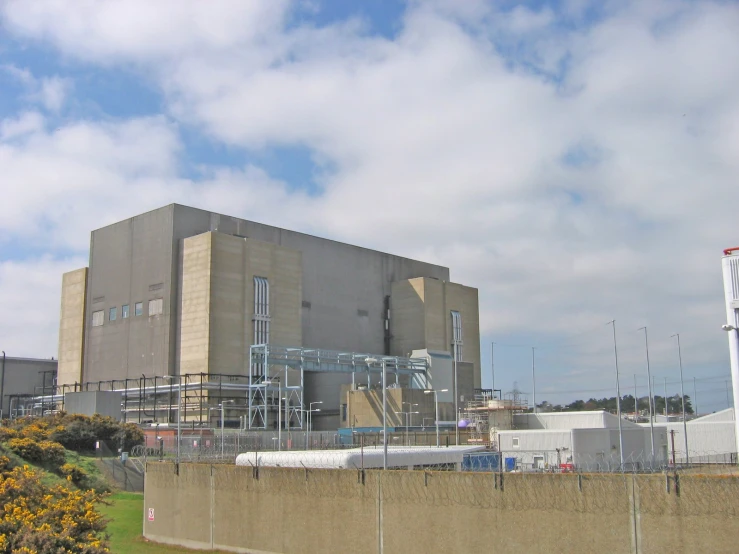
[{"x": 242, "y": 509}]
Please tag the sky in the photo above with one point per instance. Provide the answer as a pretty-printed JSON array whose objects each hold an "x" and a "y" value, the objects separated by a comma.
[{"x": 574, "y": 160}]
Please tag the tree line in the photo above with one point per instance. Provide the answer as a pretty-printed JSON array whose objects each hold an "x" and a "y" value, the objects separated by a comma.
[{"x": 674, "y": 405}]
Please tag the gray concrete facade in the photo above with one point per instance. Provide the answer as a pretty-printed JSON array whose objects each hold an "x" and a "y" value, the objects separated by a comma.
[
  {"x": 345, "y": 290},
  {"x": 25, "y": 376}
]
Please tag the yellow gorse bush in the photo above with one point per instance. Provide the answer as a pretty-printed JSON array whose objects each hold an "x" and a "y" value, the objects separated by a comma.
[{"x": 47, "y": 520}]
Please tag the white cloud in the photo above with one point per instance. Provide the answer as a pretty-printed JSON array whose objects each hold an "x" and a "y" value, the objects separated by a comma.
[
  {"x": 30, "y": 293},
  {"x": 50, "y": 92},
  {"x": 25, "y": 123},
  {"x": 60, "y": 184},
  {"x": 572, "y": 175}
]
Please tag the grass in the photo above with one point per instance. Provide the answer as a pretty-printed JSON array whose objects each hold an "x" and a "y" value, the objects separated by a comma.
[{"x": 126, "y": 515}]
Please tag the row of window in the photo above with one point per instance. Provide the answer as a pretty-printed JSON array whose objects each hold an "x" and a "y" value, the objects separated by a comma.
[{"x": 155, "y": 308}]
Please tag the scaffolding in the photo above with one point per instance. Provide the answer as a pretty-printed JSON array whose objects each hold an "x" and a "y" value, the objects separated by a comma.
[
  {"x": 194, "y": 398},
  {"x": 270, "y": 364},
  {"x": 488, "y": 412}
]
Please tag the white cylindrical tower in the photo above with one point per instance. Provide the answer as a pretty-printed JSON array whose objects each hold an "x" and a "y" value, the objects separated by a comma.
[{"x": 730, "y": 266}]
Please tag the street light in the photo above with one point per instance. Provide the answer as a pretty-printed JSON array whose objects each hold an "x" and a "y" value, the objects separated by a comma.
[
  {"x": 223, "y": 428},
  {"x": 407, "y": 438},
  {"x": 436, "y": 403},
  {"x": 652, "y": 408},
  {"x": 310, "y": 416},
  {"x": 410, "y": 405},
  {"x": 279, "y": 408},
  {"x": 682, "y": 393},
  {"x": 179, "y": 405},
  {"x": 370, "y": 361}
]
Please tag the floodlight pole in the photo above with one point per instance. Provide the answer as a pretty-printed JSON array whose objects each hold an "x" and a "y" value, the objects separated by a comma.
[
  {"x": 370, "y": 361},
  {"x": 651, "y": 399},
  {"x": 179, "y": 407},
  {"x": 618, "y": 397},
  {"x": 456, "y": 397},
  {"x": 682, "y": 393}
]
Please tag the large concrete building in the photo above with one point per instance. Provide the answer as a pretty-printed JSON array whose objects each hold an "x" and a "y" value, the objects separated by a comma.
[
  {"x": 182, "y": 291},
  {"x": 22, "y": 380}
]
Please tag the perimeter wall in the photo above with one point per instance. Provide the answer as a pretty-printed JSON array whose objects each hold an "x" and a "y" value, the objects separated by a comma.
[{"x": 265, "y": 510}]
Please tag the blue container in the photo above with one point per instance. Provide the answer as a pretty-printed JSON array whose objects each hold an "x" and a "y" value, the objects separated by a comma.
[
  {"x": 489, "y": 461},
  {"x": 510, "y": 464}
]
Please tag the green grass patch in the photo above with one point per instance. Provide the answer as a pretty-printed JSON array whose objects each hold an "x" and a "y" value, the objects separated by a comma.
[{"x": 126, "y": 515}]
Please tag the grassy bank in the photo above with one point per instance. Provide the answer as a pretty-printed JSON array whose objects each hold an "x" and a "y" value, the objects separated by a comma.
[{"x": 126, "y": 514}]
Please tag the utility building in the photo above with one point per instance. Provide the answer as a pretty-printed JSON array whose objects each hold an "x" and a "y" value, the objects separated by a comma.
[{"x": 188, "y": 293}]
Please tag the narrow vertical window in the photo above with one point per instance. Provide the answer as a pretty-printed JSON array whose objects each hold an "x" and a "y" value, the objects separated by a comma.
[
  {"x": 124, "y": 311},
  {"x": 138, "y": 308},
  {"x": 457, "y": 334},
  {"x": 261, "y": 310},
  {"x": 261, "y": 315},
  {"x": 113, "y": 314}
]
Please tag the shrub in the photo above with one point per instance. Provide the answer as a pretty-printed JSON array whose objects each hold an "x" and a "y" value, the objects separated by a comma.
[
  {"x": 48, "y": 520},
  {"x": 52, "y": 452},
  {"x": 79, "y": 433},
  {"x": 74, "y": 473},
  {"x": 38, "y": 431},
  {"x": 27, "y": 449},
  {"x": 7, "y": 433},
  {"x": 38, "y": 452}
]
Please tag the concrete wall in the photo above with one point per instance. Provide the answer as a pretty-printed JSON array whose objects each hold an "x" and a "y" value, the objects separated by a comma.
[
  {"x": 72, "y": 327},
  {"x": 26, "y": 376},
  {"x": 242, "y": 509}
]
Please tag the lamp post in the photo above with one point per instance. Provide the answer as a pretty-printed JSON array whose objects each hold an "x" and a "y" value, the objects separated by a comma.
[
  {"x": 410, "y": 406},
  {"x": 456, "y": 397},
  {"x": 533, "y": 374},
  {"x": 279, "y": 408},
  {"x": 682, "y": 393},
  {"x": 436, "y": 404},
  {"x": 407, "y": 439},
  {"x": 223, "y": 427},
  {"x": 310, "y": 414},
  {"x": 618, "y": 397},
  {"x": 179, "y": 406},
  {"x": 370, "y": 361},
  {"x": 651, "y": 399}
]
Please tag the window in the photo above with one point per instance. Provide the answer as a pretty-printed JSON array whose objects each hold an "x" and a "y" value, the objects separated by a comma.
[
  {"x": 98, "y": 318},
  {"x": 155, "y": 306},
  {"x": 124, "y": 311},
  {"x": 457, "y": 334},
  {"x": 113, "y": 314},
  {"x": 514, "y": 442},
  {"x": 261, "y": 310},
  {"x": 138, "y": 308}
]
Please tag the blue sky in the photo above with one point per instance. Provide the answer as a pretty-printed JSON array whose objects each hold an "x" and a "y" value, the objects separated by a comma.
[{"x": 574, "y": 160}]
